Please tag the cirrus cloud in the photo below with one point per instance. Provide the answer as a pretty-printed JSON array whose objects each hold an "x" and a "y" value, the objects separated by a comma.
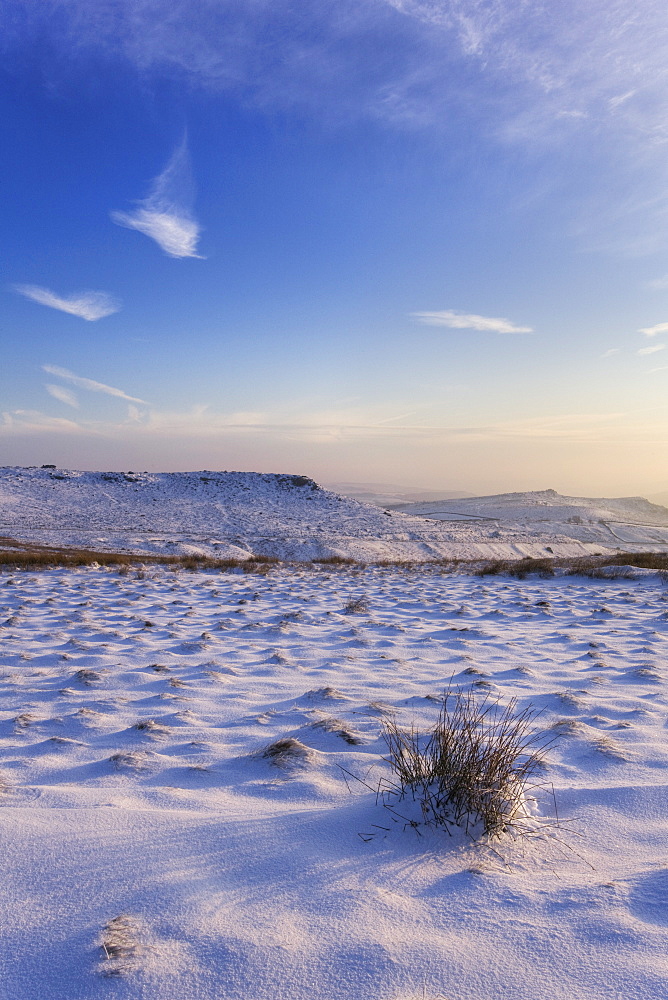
[
  {"x": 469, "y": 321},
  {"x": 90, "y": 384},
  {"x": 87, "y": 305},
  {"x": 166, "y": 216},
  {"x": 64, "y": 395},
  {"x": 651, "y": 350},
  {"x": 652, "y": 331}
]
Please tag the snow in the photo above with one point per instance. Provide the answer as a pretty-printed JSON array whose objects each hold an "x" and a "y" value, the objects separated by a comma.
[
  {"x": 146, "y": 836},
  {"x": 238, "y": 514},
  {"x": 632, "y": 524}
]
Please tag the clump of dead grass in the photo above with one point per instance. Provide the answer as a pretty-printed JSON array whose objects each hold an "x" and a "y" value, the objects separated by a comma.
[
  {"x": 133, "y": 760},
  {"x": 329, "y": 693},
  {"x": 338, "y": 728},
  {"x": 87, "y": 677},
  {"x": 474, "y": 768},
  {"x": 357, "y": 605},
  {"x": 24, "y": 720},
  {"x": 120, "y": 943},
  {"x": 288, "y": 752},
  {"x": 519, "y": 568},
  {"x": 151, "y": 727}
]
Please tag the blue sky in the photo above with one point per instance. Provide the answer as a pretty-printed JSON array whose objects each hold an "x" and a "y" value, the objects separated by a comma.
[{"x": 412, "y": 241}]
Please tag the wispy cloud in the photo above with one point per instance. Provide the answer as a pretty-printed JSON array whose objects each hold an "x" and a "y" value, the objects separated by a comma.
[
  {"x": 658, "y": 284},
  {"x": 514, "y": 71},
  {"x": 652, "y": 331},
  {"x": 33, "y": 421},
  {"x": 64, "y": 395},
  {"x": 276, "y": 52},
  {"x": 87, "y": 305},
  {"x": 652, "y": 350},
  {"x": 90, "y": 384},
  {"x": 609, "y": 353},
  {"x": 469, "y": 321},
  {"x": 166, "y": 215},
  {"x": 200, "y": 423}
]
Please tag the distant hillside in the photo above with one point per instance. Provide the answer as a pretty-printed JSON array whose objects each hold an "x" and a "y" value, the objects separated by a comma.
[
  {"x": 389, "y": 495},
  {"x": 628, "y": 522},
  {"x": 239, "y": 514}
]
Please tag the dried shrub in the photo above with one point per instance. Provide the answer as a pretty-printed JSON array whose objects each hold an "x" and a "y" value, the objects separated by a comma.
[{"x": 473, "y": 768}]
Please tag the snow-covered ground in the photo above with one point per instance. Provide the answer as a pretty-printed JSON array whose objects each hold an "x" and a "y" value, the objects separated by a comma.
[
  {"x": 236, "y": 514},
  {"x": 144, "y": 834},
  {"x": 629, "y": 523}
]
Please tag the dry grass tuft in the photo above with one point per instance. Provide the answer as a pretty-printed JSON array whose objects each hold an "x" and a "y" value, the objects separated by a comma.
[
  {"x": 24, "y": 720},
  {"x": 151, "y": 727},
  {"x": 288, "y": 752},
  {"x": 569, "y": 699},
  {"x": 609, "y": 748},
  {"x": 646, "y": 674},
  {"x": 473, "y": 768},
  {"x": 357, "y": 605},
  {"x": 87, "y": 677},
  {"x": 134, "y": 760},
  {"x": 569, "y": 727},
  {"x": 329, "y": 693},
  {"x": 338, "y": 728},
  {"x": 120, "y": 943}
]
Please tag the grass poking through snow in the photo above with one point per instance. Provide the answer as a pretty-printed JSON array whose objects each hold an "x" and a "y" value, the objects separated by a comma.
[{"x": 473, "y": 769}]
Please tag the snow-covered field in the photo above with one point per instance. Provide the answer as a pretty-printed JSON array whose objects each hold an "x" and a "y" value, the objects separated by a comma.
[
  {"x": 237, "y": 514},
  {"x": 145, "y": 835}
]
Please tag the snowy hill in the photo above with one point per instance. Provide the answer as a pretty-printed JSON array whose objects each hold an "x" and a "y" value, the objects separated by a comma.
[
  {"x": 630, "y": 523},
  {"x": 237, "y": 514}
]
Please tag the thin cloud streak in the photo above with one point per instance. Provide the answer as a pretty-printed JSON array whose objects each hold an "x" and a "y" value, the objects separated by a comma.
[
  {"x": 652, "y": 331},
  {"x": 651, "y": 350},
  {"x": 90, "y": 306},
  {"x": 166, "y": 216},
  {"x": 658, "y": 284},
  {"x": 64, "y": 395},
  {"x": 469, "y": 321},
  {"x": 90, "y": 384},
  {"x": 201, "y": 424}
]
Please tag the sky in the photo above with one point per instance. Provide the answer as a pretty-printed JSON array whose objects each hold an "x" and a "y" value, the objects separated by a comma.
[{"x": 422, "y": 242}]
